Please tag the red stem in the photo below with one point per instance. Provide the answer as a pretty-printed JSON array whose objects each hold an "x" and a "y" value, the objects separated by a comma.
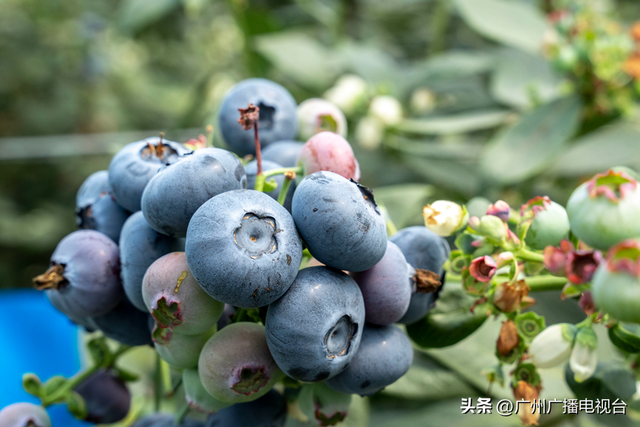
[{"x": 257, "y": 141}]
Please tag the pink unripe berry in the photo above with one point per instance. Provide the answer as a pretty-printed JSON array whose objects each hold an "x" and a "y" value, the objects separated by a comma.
[{"x": 328, "y": 151}]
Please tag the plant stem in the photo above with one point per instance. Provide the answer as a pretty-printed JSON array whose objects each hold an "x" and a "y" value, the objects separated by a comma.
[
  {"x": 157, "y": 384},
  {"x": 182, "y": 414},
  {"x": 288, "y": 178},
  {"x": 528, "y": 255},
  {"x": 256, "y": 139},
  {"x": 545, "y": 283},
  {"x": 69, "y": 386},
  {"x": 262, "y": 178}
]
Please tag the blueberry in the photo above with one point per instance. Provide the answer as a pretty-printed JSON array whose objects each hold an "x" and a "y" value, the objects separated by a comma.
[
  {"x": 284, "y": 153},
  {"x": 277, "y": 114},
  {"x": 423, "y": 249},
  {"x": 179, "y": 350},
  {"x": 106, "y": 397},
  {"x": 328, "y": 151},
  {"x": 125, "y": 324},
  {"x": 268, "y": 411},
  {"x": 243, "y": 248},
  {"x": 196, "y": 396},
  {"x": 386, "y": 287},
  {"x": 134, "y": 165},
  {"x": 140, "y": 246},
  {"x": 385, "y": 354},
  {"x": 175, "y": 299},
  {"x": 339, "y": 221},
  {"x": 84, "y": 277},
  {"x": 173, "y": 195},
  {"x": 235, "y": 364},
  {"x": 165, "y": 420},
  {"x": 24, "y": 414},
  {"x": 252, "y": 170},
  {"x": 314, "y": 330},
  {"x": 97, "y": 209}
]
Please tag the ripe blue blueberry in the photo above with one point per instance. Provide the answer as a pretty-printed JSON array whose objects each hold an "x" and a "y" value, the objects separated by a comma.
[
  {"x": 243, "y": 248},
  {"x": 425, "y": 250},
  {"x": 134, "y": 165},
  {"x": 314, "y": 330},
  {"x": 284, "y": 153},
  {"x": 140, "y": 246},
  {"x": 125, "y": 324},
  {"x": 174, "y": 298},
  {"x": 173, "y": 195},
  {"x": 386, "y": 287},
  {"x": 96, "y": 208},
  {"x": 339, "y": 221},
  {"x": 277, "y": 114},
  {"x": 235, "y": 364},
  {"x": 165, "y": 420},
  {"x": 106, "y": 397},
  {"x": 84, "y": 277},
  {"x": 252, "y": 170},
  {"x": 24, "y": 414},
  {"x": 268, "y": 411},
  {"x": 196, "y": 396},
  {"x": 385, "y": 354}
]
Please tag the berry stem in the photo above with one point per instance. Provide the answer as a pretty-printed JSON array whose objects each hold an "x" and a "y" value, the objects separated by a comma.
[
  {"x": 182, "y": 414},
  {"x": 545, "y": 282},
  {"x": 256, "y": 137},
  {"x": 157, "y": 384},
  {"x": 527, "y": 255},
  {"x": 261, "y": 178},
  {"x": 288, "y": 177},
  {"x": 59, "y": 394}
]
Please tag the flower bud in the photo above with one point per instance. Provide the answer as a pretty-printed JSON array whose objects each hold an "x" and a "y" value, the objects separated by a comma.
[
  {"x": 584, "y": 359},
  {"x": 483, "y": 268},
  {"x": 492, "y": 227},
  {"x": 369, "y": 133},
  {"x": 348, "y": 92},
  {"x": 508, "y": 339},
  {"x": 444, "y": 217},
  {"x": 423, "y": 100},
  {"x": 548, "y": 222},
  {"x": 500, "y": 209},
  {"x": 555, "y": 258},
  {"x": 317, "y": 115},
  {"x": 509, "y": 297},
  {"x": 387, "y": 109},
  {"x": 552, "y": 346},
  {"x": 605, "y": 210},
  {"x": 474, "y": 223}
]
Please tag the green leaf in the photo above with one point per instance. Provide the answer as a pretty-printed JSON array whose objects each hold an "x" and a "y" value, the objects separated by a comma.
[
  {"x": 99, "y": 351},
  {"x": 612, "y": 145},
  {"x": 433, "y": 149},
  {"x": 522, "y": 79},
  {"x": 511, "y": 22},
  {"x": 53, "y": 384},
  {"x": 32, "y": 385},
  {"x": 445, "y": 173},
  {"x": 428, "y": 380},
  {"x": 450, "y": 321},
  {"x": 76, "y": 405},
  {"x": 455, "y": 124},
  {"x": 527, "y": 148},
  {"x": 299, "y": 57},
  {"x": 135, "y": 14}
]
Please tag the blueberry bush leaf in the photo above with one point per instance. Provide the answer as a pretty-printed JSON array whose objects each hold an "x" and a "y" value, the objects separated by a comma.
[
  {"x": 514, "y": 23},
  {"x": 522, "y": 151}
]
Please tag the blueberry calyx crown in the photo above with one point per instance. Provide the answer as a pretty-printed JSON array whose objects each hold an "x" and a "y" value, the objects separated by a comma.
[
  {"x": 426, "y": 281},
  {"x": 625, "y": 257},
  {"x": 53, "y": 278},
  {"x": 167, "y": 313},
  {"x": 338, "y": 340},
  {"x": 256, "y": 235},
  {"x": 249, "y": 379},
  {"x": 535, "y": 205},
  {"x": 367, "y": 193},
  {"x": 612, "y": 185},
  {"x": 161, "y": 335},
  {"x": 328, "y": 420},
  {"x": 159, "y": 151}
]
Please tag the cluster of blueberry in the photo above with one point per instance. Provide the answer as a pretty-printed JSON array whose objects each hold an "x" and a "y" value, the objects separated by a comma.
[{"x": 219, "y": 278}]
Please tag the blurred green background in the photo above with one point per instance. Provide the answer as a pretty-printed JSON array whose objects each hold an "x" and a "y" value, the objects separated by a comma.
[{"x": 500, "y": 99}]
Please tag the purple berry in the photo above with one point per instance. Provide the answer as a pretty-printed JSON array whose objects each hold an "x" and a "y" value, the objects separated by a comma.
[
  {"x": 84, "y": 277},
  {"x": 106, "y": 397}
]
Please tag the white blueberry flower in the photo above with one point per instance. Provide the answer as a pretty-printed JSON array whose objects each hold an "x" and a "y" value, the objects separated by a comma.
[
  {"x": 387, "y": 109},
  {"x": 347, "y": 93},
  {"x": 584, "y": 359},
  {"x": 444, "y": 217},
  {"x": 552, "y": 346},
  {"x": 369, "y": 133}
]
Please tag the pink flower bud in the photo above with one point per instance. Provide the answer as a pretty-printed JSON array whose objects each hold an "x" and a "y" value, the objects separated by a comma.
[
  {"x": 500, "y": 209},
  {"x": 483, "y": 268},
  {"x": 555, "y": 259}
]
